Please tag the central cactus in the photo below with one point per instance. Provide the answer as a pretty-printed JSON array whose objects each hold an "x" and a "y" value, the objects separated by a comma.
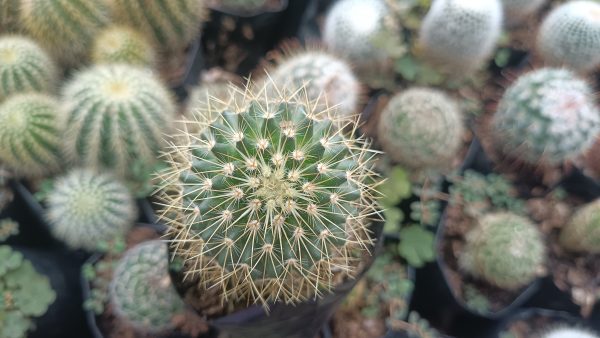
[{"x": 270, "y": 202}]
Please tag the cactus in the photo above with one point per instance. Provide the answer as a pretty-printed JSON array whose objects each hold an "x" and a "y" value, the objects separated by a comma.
[
  {"x": 246, "y": 6},
  {"x": 24, "y": 67},
  {"x": 567, "y": 332},
  {"x": 65, "y": 28},
  {"x": 9, "y": 15},
  {"x": 86, "y": 208},
  {"x": 30, "y": 134},
  {"x": 517, "y": 11},
  {"x": 116, "y": 114},
  {"x": 141, "y": 291},
  {"x": 269, "y": 200},
  {"x": 121, "y": 44},
  {"x": 460, "y": 35},
  {"x": 421, "y": 129},
  {"x": 208, "y": 100},
  {"x": 570, "y": 36},
  {"x": 547, "y": 115},
  {"x": 504, "y": 249},
  {"x": 582, "y": 232}
]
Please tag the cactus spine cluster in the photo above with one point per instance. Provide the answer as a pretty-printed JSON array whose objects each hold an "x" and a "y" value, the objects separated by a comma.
[
  {"x": 570, "y": 36},
  {"x": 421, "y": 129},
  {"x": 582, "y": 232},
  {"x": 268, "y": 201},
  {"x": 567, "y": 332},
  {"x": 24, "y": 67},
  {"x": 547, "y": 115},
  {"x": 30, "y": 134},
  {"x": 121, "y": 44},
  {"x": 141, "y": 290},
  {"x": 116, "y": 114},
  {"x": 504, "y": 249},
  {"x": 86, "y": 208},
  {"x": 460, "y": 35},
  {"x": 516, "y": 11}
]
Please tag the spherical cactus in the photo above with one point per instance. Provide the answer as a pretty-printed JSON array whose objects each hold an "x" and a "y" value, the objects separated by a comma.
[
  {"x": 516, "y": 11},
  {"x": 24, "y": 67},
  {"x": 460, "y": 35},
  {"x": 121, "y": 44},
  {"x": 582, "y": 233},
  {"x": 9, "y": 16},
  {"x": 421, "y": 129},
  {"x": 269, "y": 200},
  {"x": 570, "y": 36},
  {"x": 86, "y": 208},
  {"x": 30, "y": 134},
  {"x": 116, "y": 114},
  {"x": 505, "y": 250},
  {"x": 141, "y": 290},
  {"x": 65, "y": 28},
  {"x": 567, "y": 332},
  {"x": 547, "y": 115},
  {"x": 208, "y": 100}
]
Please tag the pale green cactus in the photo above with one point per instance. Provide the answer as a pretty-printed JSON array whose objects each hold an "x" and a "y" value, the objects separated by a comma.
[
  {"x": 517, "y": 11},
  {"x": 582, "y": 232},
  {"x": 568, "y": 332},
  {"x": 122, "y": 44}
]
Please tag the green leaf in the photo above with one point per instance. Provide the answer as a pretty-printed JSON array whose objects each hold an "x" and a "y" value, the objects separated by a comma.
[
  {"x": 502, "y": 57},
  {"x": 396, "y": 188},
  {"x": 393, "y": 218},
  {"x": 416, "y": 245},
  {"x": 407, "y": 67}
]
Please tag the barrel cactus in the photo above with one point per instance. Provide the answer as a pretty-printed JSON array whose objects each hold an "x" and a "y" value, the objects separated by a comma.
[
  {"x": 86, "y": 208},
  {"x": 30, "y": 134},
  {"x": 570, "y": 36},
  {"x": 141, "y": 291},
  {"x": 517, "y": 11},
  {"x": 460, "y": 35},
  {"x": 270, "y": 201},
  {"x": 421, "y": 129},
  {"x": 115, "y": 115},
  {"x": 582, "y": 232},
  {"x": 121, "y": 44},
  {"x": 505, "y": 250},
  {"x": 568, "y": 332},
  {"x": 547, "y": 115},
  {"x": 24, "y": 67}
]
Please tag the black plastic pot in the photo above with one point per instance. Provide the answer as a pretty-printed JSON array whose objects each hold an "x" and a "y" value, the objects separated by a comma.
[{"x": 556, "y": 317}]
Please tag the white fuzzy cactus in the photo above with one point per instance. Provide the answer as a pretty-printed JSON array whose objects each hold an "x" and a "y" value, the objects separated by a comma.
[
  {"x": 460, "y": 35},
  {"x": 570, "y": 36},
  {"x": 516, "y": 11},
  {"x": 567, "y": 332}
]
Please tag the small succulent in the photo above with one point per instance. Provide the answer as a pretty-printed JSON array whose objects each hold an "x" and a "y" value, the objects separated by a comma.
[
  {"x": 121, "y": 44},
  {"x": 9, "y": 16},
  {"x": 504, "y": 249},
  {"x": 547, "y": 115},
  {"x": 569, "y": 332},
  {"x": 141, "y": 290},
  {"x": 582, "y": 232},
  {"x": 85, "y": 208},
  {"x": 517, "y": 11},
  {"x": 24, "y": 67},
  {"x": 8, "y": 228},
  {"x": 24, "y": 294},
  {"x": 570, "y": 36}
]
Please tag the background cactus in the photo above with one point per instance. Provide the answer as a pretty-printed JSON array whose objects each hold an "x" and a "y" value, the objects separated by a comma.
[
  {"x": 460, "y": 35},
  {"x": 570, "y": 36},
  {"x": 208, "y": 100},
  {"x": 421, "y": 129},
  {"x": 582, "y": 232},
  {"x": 516, "y": 11},
  {"x": 24, "y": 67},
  {"x": 251, "y": 6},
  {"x": 141, "y": 290},
  {"x": 121, "y": 44},
  {"x": 116, "y": 115},
  {"x": 504, "y": 249},
  {"x": 567, "y": 332},
  {"x": 86, "y": 208},
  {"x": 546, "y": 115},
  {"x": 9, "y": 16},
  {"x": 30, "y": 134}
]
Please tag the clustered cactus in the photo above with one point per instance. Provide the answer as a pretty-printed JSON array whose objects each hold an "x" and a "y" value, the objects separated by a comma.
[
  {"x": 582, "y": 232},
  {"x": 516, "y": 11},
  {"x": 421, "y": 129},
  {"x": 122, "y": 44},
  {"x": 547, "y": 115},
  {"x": 141, "y": 290},
  {"x": 569, "y": 332},
  {"x": 86, "y": 208},
  {"x": 570, "y": 36}
]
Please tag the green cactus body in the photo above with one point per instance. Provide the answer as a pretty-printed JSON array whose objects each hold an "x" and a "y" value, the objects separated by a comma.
[
  {"x": 460, "y": 35},
  {"x": 517, "y": 11},
  {"x": 566, "y": 332},
  {"x": 30, "y": 134},
  {"x": 547, "y": 115},
  {"x": 9, "y": 16},
  {"x": 116, "y": 114},
  {"x": 505, "y": 250},
  {"x": 570, "y": 36},
  {"x": 24, "y": 67},
  {"x": 582, "y": 233},
  {"x": 421, "y": 129},
  {"x": 141, "y": 291},
  {"x": 269, "y": 200},
  {"x": 121, "y": 44},
  {"x": 65, "y": 28},
  {"x": 86, "y": 208}
]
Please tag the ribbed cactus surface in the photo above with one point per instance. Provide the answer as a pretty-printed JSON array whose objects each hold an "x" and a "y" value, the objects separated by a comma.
[
  {"x": 122, "y": 44},
  {"x": 582, "y": 232}
]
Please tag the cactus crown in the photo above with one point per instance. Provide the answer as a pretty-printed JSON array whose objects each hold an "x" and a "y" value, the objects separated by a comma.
[
  {"x": 582, "y": 232},
  {"x": 567, "y": 332},
  {"x": 121, "y": 44},
  {"x": 546, "y": 115},
  {"x": 141, "y": 290},
  {"x": 504, "y": 249},
  {"x": 86, "y": 208},
  {"x": 270, "y": 201}
]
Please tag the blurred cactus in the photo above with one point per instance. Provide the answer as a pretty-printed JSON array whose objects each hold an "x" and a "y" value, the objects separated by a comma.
[
  {"x": 244, "y": 6},
  {"x": 582, "y": 232},
  {"x": 517, "y": 11},
  {"x": 121, "y": 44},
  {"x": 567, "y": 332}
]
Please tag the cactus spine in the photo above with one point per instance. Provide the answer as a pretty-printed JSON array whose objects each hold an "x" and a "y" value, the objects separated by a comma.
[
  {"x": 421, "y": 129},
  {"x": 547, "y": 115},
  {"x": 121, "y": 44},
  {"x": 116, "y": 114},
  {"x": 24, "y": 67},
  {"x": 567, "y": 332},
  {"x": 504, "y": 249},
  {"x": 570, "y": 36},
  {"x": 582, "y": 233}
]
